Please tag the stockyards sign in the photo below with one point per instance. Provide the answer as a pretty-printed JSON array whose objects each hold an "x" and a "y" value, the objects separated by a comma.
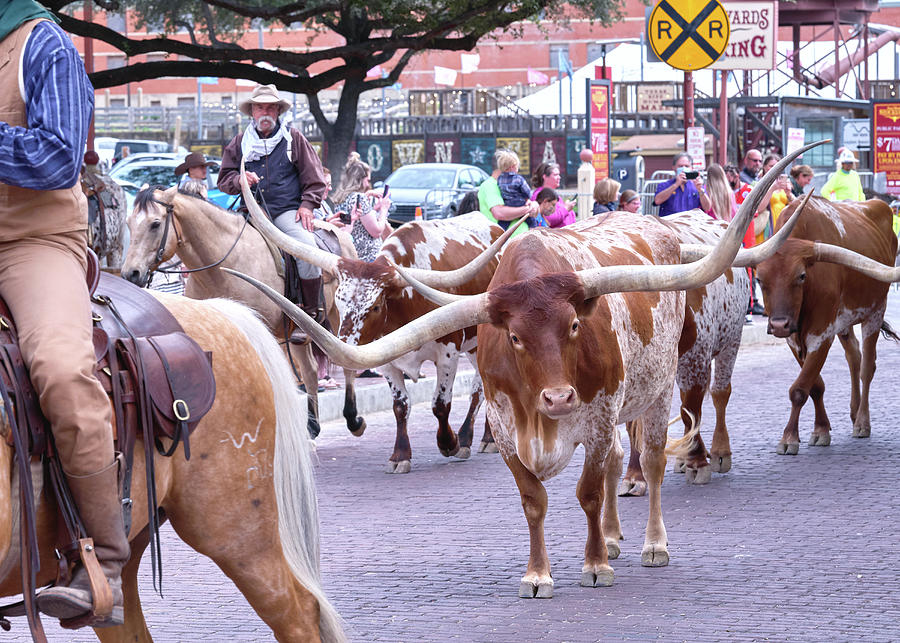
[
  {"x": 754, "y": 32},
  {"x": 886, "y": 142}
]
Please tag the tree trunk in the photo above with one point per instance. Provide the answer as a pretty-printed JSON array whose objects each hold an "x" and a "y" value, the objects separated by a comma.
[{"x": 339, "y": 134}]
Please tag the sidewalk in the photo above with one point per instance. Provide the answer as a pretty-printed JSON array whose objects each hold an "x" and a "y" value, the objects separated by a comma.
[{"x": 373, "y": 394}]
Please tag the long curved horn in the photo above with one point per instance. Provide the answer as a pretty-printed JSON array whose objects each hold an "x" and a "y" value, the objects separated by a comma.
[
  {"x": 438, "y": 297},
  {"x": 310, "y": 254},
  {"x": 447, "y": 279},
  {"x": 691, "y": 252},
  {"x": 861, "y": 263},
  {"x": 437, "y": 323},
  {"x": 607, "y": 279}
]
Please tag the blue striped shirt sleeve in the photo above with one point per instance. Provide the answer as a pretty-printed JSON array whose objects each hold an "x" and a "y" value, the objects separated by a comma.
[{"x": 59, "y": 99}]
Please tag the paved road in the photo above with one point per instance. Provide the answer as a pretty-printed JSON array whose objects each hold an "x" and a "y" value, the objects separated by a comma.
[{"x": 781, "y": 548}]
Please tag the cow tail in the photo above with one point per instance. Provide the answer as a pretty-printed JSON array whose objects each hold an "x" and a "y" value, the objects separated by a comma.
[
  {"x": 680, "y": 447},
  {"x": 888, "y": 332}
]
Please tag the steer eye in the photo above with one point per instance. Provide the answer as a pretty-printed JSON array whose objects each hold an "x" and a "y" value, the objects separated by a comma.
[
  {"x": 574, "y": 326},
  {"x": 802, "y": 277},
  {"x": 514, "y": 339}
]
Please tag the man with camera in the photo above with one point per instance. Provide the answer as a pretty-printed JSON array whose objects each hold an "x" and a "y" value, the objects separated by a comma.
[{"x": 684, "y": 192}]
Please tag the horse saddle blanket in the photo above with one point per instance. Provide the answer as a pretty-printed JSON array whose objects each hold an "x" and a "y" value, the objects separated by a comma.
[{"x": 153, "y": 372}]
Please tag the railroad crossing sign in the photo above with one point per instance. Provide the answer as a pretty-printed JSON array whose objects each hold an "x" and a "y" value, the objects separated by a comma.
[{"x": 689, "y": 34}]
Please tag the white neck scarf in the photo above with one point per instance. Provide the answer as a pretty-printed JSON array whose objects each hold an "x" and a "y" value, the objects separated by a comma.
[{"x": 253, "y": 147}]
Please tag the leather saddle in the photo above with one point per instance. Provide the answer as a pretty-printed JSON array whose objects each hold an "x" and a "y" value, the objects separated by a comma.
[{"x": 144, "y": 358}]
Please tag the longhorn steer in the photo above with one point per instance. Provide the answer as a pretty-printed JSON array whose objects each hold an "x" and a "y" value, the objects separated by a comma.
[
  {"x": 579, "y": 332},
  {"x": 713, "y": 324},
  {"x": 374, "y": 300},
  {"x": 810, "y": 301}
]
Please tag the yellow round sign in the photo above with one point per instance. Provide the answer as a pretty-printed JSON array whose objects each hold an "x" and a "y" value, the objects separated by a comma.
[{"x": 689, "y": 34}]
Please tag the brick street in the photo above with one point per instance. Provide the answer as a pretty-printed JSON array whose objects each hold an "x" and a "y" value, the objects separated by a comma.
[{"x": 780, "y": 548}]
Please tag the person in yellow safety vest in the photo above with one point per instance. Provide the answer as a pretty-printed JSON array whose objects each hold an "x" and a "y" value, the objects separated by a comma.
[
  {"x": 844, "y": 185},
  {"x": 895, "y": 208}
]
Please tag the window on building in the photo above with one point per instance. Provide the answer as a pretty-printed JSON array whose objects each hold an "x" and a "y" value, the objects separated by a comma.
[
  {"x": 816, "y": 130},
  {"x": 555, "y": 50},
  {"x": 114, "y": 62},
  {"x": 155, "y": 103},
  {"x": 186, "y": 101},
  {"x": 117, "y": 102},
  {"x": 116, "y": 22}
]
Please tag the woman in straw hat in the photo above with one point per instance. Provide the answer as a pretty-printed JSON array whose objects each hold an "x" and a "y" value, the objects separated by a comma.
[{"x": 286, "y": 176}]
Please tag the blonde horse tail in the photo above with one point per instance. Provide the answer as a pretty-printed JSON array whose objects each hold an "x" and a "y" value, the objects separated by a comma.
[{"x": 295, "y": 487}]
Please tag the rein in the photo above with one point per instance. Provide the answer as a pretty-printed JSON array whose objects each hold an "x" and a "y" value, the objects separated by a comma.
[{"x": 170, "y": 220}]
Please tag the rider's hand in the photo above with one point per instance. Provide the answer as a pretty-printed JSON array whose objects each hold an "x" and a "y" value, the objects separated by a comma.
[
  {"x": 252, "y": 178},
  {"x": 306, "y": 218}
]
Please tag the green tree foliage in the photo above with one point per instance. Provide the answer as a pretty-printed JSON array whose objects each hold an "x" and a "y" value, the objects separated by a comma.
[{"x": 374, "y": 32}]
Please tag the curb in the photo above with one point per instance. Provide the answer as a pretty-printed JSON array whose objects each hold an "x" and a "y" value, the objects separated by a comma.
[{"x": 370, "y": 399}]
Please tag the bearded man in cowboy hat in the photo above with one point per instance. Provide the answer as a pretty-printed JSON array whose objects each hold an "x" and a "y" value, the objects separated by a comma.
[
  {"x": 46, "y": 101},
  {"x": 287, "y": 176},
  {"x": 194, "y": 181}
]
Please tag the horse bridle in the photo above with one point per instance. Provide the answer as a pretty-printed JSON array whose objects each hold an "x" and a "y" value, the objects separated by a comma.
[{"x": 161, "y": 250}]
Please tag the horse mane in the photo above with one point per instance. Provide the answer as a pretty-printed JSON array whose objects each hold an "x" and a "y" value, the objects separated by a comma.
[{"x": 144, "y": 198}]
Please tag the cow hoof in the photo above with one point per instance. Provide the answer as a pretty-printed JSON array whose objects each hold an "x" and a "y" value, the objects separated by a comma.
[
  {"x": 488, "y": 447},
  {"x": 600, "y": 577},
  {"x": 652, "y": 557},
  {"x": 792, "y": 448},
  {"x": 820, "y": 439},
  {"x": 861, "y": 431},
  {"x": 632, "y": 488},
  {"x": 698, "y": 476},
  {"x": 528, "y": 589},
  {"x": 398, "y": 467},
  {"x": 679, "y": 466},
  {"x": 612, "y": 549},
  {"x": 720, "y": 464},
  {"x": 464, "y": 453},
  {"x": 449, "y": 452},
  {"x": 360, "y": 427}
]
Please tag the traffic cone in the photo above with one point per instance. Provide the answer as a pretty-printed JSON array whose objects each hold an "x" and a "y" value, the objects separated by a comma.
[{"x": 418, "y": 213}]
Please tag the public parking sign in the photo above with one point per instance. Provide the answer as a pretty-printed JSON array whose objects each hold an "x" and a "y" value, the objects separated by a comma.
[{"x": 689, "y": 34}]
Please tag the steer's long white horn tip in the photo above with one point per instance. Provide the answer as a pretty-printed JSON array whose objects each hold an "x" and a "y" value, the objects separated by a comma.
[{"x": 433, "y": 295}]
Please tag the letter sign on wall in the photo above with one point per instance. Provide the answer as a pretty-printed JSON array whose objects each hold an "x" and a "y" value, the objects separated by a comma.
[{"x": 689, "y": 34}]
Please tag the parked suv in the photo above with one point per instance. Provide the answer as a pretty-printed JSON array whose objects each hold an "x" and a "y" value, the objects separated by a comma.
[{"x": 437, "y": 188}]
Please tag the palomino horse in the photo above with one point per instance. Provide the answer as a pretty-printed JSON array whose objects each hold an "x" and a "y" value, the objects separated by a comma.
[
  {"x": 166, "y": 222},
  {"x": 246, "y": 498}
]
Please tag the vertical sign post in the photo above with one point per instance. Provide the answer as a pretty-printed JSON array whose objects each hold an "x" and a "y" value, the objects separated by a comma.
[{"x": 598, "y": 94}]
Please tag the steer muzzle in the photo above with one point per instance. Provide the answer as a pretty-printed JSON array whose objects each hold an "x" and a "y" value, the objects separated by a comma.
[
  {"x": 781, "y": 326},
  {"x": 559, "y": 401}
]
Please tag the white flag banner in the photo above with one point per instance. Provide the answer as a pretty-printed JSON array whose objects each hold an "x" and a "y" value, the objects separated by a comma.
[
  {"x": 444, "y": 76},
  {"x": 469, "y": 63}
]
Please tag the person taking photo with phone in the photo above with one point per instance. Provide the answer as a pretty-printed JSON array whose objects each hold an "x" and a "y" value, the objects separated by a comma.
[
  {"x": 684, "y": 192},
  {"x": 361, "y": 209}
]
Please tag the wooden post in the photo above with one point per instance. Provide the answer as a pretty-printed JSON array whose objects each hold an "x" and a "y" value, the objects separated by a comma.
[
  {"x": 723, "y": 118},
  {"x": 688, "y": 103}
]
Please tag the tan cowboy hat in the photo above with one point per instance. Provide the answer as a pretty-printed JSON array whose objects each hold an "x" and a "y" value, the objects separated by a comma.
[
  {"x": 264, "y": 94},
  {"x": 194, "y": 159}
]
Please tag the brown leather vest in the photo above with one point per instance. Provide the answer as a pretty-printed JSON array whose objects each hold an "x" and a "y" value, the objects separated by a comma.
[{"x": 23, "y": 212}]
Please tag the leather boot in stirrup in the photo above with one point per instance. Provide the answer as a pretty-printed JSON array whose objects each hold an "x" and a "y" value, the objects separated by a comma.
[
  {"x": 310, "y": 293},
  {"x": 97, "y": 498}
]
